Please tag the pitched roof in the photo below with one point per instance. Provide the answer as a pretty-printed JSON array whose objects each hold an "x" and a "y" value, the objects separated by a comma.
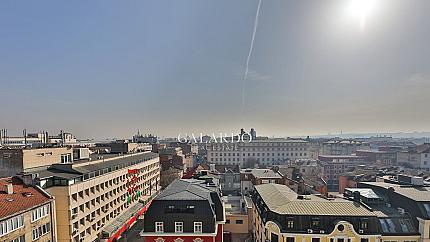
[
  {"x": 186, "y": 189},
  {"x": 281, "y": 199},
  {"x": 23, "y": 197}
]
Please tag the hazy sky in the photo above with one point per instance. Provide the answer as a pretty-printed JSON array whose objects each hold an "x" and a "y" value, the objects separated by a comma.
[{"x": 106, "y": 68}]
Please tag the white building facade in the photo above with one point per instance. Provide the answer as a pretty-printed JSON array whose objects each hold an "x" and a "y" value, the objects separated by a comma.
[{"x": 266, "y": 152}]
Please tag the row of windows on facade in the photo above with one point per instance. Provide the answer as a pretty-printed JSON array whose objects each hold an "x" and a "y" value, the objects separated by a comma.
[
  {"x": 119, "y": 167},
  {"x": 179, "y": 227},
  {"x": 96, "y": 226},
  {"x": 108, "y": 184},
  {"x": 244, "y": 159},
  {"x": 293, "y": 239},
  {"x": 17, "y": 222},
  {"x": 258, "y": 154},
  {"x": 100, "y": 199},
  {"x": 178, "y": 240},
  {"x": 260, "y": 144},
  {"x": 40, "y": 231},
  {"x": 258, "y": 149},
  {"x": 238, "y": 221}
]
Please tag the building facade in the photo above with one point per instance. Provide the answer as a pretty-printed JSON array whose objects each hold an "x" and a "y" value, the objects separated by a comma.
[
  {"x": 333, "y": 166},
  {"x": 188, "y": 210},
  {"x": 411, "y": 199},
  {"x": 282, "y": 215},
  {"x": 19, "y": 160},
  {"x": 27, "y": 213},
  {"x": 265, "y": 152},
  {"x": 343, "y": 147},
  {"x": 98, "y": 199}
]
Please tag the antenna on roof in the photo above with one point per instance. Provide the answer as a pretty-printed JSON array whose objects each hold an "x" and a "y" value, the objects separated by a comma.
[{"x": 24, "y": 133}]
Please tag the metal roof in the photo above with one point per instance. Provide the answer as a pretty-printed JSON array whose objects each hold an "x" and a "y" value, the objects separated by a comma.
[
  {"x": 281, "y": 199},
  {"x": 187, "y": 189},
  {"x": 364, "y": 192},
  {"x": 416, "y": 193}
]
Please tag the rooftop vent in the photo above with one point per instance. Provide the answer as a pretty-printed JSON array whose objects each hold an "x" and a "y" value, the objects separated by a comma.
[
  {"x": 211, "y": 184},
  {"x": 27, "y": 194},
  {"x": 8, "y": 199}
]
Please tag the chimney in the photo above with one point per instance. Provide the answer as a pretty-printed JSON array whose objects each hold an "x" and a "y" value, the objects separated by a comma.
[
  {"x": 8, "y": 188},
  {"x": 356, "y": 195},
  {"x": 27, "y": 179},
  {"x": 212, "y": 167}
]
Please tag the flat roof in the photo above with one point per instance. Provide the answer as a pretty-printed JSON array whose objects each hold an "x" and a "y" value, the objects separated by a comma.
[
  {"x": 78, "y": 169},
  {"x": 416, "y": 193}
]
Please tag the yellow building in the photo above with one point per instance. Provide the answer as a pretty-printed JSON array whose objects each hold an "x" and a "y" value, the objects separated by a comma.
[
  {"x": 238, "y": 211},
  {"x": 281, "y": 215}
]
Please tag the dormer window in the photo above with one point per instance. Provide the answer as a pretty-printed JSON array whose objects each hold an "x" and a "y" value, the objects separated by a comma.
[
  {"x": 290, "y": 224},
  {"x": 179, "y": 227},
  {"x": 198, "y": 227},
  {"x": 159, "y": 227}
]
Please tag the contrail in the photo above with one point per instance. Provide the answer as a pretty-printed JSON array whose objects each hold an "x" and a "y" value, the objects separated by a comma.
[{"x": 251, "y": 47}]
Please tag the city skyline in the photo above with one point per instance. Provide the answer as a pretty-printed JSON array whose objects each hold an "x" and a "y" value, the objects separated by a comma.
[{"x": 97, "y": 68}]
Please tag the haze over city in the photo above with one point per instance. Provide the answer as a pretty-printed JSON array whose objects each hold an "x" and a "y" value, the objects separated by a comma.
[{"x": 105, "y": 68}]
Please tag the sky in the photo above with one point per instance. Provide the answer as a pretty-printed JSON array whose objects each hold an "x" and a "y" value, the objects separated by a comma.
[{"x": 103, "y": 69}]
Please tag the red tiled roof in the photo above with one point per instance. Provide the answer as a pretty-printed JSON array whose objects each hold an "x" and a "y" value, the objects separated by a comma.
[{"x": 14, "y": 203}]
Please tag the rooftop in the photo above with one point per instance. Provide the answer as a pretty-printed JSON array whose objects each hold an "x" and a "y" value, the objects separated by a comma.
[
  {"x": 90, "y": 168},
  {"x": 233, "y": 204},
  {"x": 364, "y": 192},
  {"x": 23, "y": 197},
  {"x": 187, "y": 189},
  {"x": 281, "y": 199},
  {"x": 416, "y": 193},
  {"x": 262, "y": 173}
]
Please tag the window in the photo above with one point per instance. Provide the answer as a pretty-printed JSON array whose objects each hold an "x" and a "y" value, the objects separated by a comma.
[
  {"x": 239, "y": 221},
  {"x": 290, "y": 224},
  {"x": 40, "y": 231},
  {"x": 316, "y": 239},
  {"x": 159, "y": 227},
  {"x": 364, "y": 224},
  {"x": 315, "y": 223},
  {"x": 291, "y": 239},
  {"x": 198, "y": 227},
  {"x": 179, "y": 227},
  {"x": 340, "y": 240},
  {"x": 19, "y": 239},
  {"x": 11, "y": 225},
  {"x": 364, "y": 240},
  {"x": 39, "y": 213},
  {"x": 66, "y": 158}
]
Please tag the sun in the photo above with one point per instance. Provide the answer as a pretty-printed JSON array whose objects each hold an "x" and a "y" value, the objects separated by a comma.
[{"x": 360, "y": 10}]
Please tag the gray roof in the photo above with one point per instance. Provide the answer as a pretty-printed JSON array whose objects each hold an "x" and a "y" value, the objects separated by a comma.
[
  {"x": 416, "y": 193},
  {"x": 264, "y": 173},
  {"x": 186, "y": 189},
  {"x": 364, "y": 192},
  {"x": 281, "y": 199},
  {"x": 75, "y": 170}
]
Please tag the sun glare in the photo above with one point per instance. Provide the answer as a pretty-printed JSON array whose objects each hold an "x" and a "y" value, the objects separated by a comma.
[{"x": 360, "y": 10}]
